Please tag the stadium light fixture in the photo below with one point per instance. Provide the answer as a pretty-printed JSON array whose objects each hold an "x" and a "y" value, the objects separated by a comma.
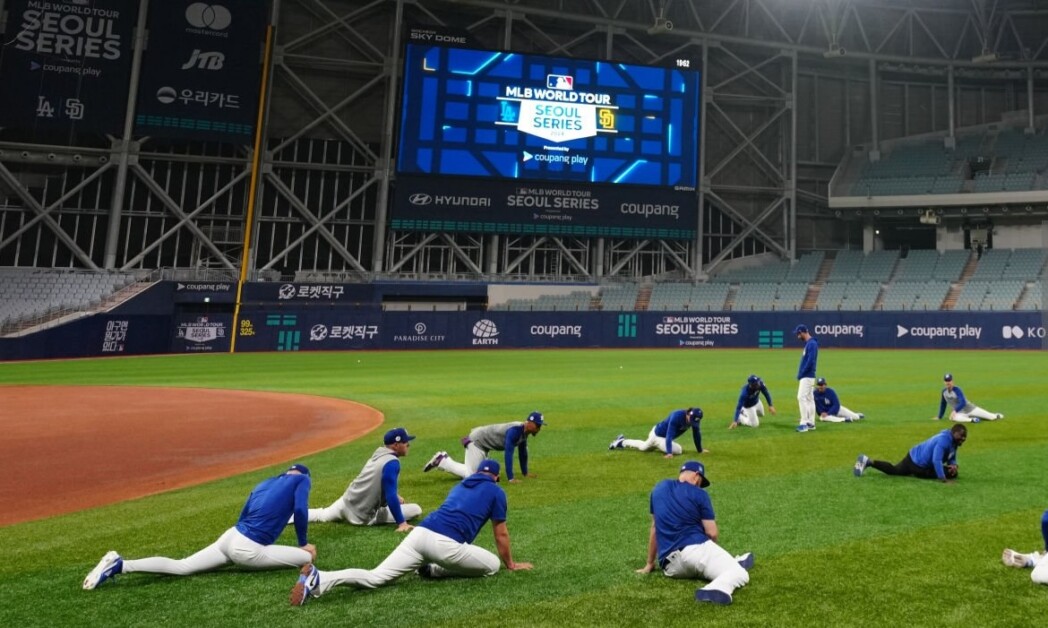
[{"x": 986, "y": 57}]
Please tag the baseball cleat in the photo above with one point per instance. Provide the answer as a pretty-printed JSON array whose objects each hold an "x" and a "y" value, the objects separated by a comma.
[
  {"x": 975, "y": 419},
  {"x": 435, "y": 461},
  {"x": 110, "y": 565},
  {"x": 860, "y": 464},
  {"x": 1000, "y": 416},
  {"x": 308, "y": 581},
  {"x": 465, "y": 440},
  {"x": 862, "y": 416},
  {"x": 1013, "y": 558},
  {"x": 803, "y": 427},
  {"x": 712, "y": 596},
  {"x": 617, "y": 443},
  {"x": 425, "y": 571},
  {"x": 811, "y": 426},
  {"x": 745, "y": 561}
]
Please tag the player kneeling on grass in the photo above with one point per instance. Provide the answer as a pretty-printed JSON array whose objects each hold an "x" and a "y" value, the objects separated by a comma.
[
  {"x": 684, "y": 535},
  {"x": 372, "y": 498},
  {"x": 934, "y": 458},
  {"x": 248, "y": 544},
  {"x": 1038, "y": 561},
  {"x": 439, "y": 547},
  {"x": 749, "y": 409},
  {"x": 505, "y": 437},
  {"x": 961, "y": 410},
  {"x": 661, "y": 436},
  {"x": 828, "y": 405}
]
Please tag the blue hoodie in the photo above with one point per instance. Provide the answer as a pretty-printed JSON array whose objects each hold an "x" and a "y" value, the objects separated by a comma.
[
  {"x": 934, "y": 451},
  {"x": 467, "y": 508},
  {"x": 271, "y": 504},
  {"x": 809, "y": 358},
  {"x": 826, "y": 401}
]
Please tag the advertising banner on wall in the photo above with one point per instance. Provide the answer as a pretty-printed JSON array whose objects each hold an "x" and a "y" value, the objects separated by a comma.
[
  {"x": 201, "y": 70},
  {"x": 65, "y": 64}
]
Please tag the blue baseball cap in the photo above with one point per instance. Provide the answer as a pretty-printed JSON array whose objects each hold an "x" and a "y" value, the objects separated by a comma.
[
  {"x": 301, "y": 468},
  {"x": 695, "y": 412},
  {"x": 397, "y": 435},
  {"x": 489, "y": 466},
  {"x": 800, "y": 329},
  {"x": 753, "y": 379},
  {"x": 820, "y": 382},
  {"x": 948, "y": 377},
  {"x": 696, "y": 467},
  {"x": 536, "y": 418}
]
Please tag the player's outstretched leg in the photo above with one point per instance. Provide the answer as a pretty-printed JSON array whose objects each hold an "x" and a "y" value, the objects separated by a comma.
[
  {"x": 110, "y": 565},
  {"x": 307, "y": 585}
]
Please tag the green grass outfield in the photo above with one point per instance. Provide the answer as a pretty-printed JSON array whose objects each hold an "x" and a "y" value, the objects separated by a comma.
[{"x": 831, "y": 549}]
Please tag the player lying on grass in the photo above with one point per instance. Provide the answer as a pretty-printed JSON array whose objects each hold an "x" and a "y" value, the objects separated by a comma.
[
  {"x": 439, "y": 547},
  {"x": 683, "y": 537},
  {"x": 248, "y": 544},
  {"x": 504, "y": 437},
  {"x": 828, "y": 405},
  {"x": 661, "y": 436},
  {"x": 961, "y": 410},
  {"x": 1038, "y": 561},
  {"x": 934, "y": 458},
  {"x": 749, "y": 408}
]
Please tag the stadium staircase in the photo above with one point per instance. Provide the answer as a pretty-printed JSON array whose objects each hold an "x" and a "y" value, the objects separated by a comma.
[
  {"x": 729, "y": 301},
  {"x": 955, "y": 288},
  {"x": 595, "y": 302},
  {"x": 643, "y": 297},
  {"x": 812, "y": 297}
]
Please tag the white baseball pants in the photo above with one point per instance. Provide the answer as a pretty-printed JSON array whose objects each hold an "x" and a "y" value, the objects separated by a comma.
[
  {"x": 474, "y": 456},
  {"x": 231, "y": 547},
  {"x": 970, "y": 412},
  {"x": 339, "y": 511},
  {"x": 750, "y": 417},
  {"x": 843, "y": 416},
  {"x": 710, "y": 561},
  {"x": 1040, "y": 569},
  {"x": 806, "y": 400},
  {"x": 421, "y": 546},
  {"x": 653, "y": 442}
]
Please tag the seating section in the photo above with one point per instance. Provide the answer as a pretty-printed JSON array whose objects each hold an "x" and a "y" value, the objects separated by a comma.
[
  {"x": 770, "y": 296},
  {"x": 992, "y": 264},
  {"x": 853, "y": 296},
  {"x": 1033, "y": 299},
  {"x": 989, "y": 295},
  {"x": 1025, "y": 264},
  {"x": 864, "y": 267},
  {"x": 575, "y": 301},
  {"x": 915, "y": 295},
  {"x": 684, "y": 296},
  {"x": 34, "y": 293},
  {"x": 619, "y": 298}
]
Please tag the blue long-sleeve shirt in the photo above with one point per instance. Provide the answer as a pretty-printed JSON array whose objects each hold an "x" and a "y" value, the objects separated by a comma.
[
  {"x": 748, "y": 397},
  {"x": 390, "y": 474},
  {"x": 469, "y": 505},
  {"x": 955, "y": 397},
  {"x": 676, "y": 424},
  {"x": 934, "y": 452},
  {"x": 826, "y": 401},
  {"x": 808, "y": 359},
  {"x": 271, "y": 504},
  {"x": 516, "y": 439}
]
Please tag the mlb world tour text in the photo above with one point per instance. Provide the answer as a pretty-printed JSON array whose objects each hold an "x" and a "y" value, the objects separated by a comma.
[{"x": 62, "y": 29}]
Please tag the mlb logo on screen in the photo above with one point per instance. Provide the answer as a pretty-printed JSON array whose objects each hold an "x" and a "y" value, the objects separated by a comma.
[{"x": 560, "y": 81}]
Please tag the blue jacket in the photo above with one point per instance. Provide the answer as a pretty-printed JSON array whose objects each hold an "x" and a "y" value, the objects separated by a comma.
[
  {"x": 809, "y": 359},
  {"x": 271, "y": 504},
  {"x": 959, "y": 401},
  {"x": 678, "y": 509},
  {"x": 749, "y": 397},
  {"x": 676, "y": 424},
  {"x": 933, "y": 452},
  {"x": 826, "y": 401},
  {"x": 467, "y": 508}
]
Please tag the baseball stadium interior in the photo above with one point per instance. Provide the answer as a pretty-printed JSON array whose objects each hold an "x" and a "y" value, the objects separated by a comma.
[{"x": 855, "y": 156}]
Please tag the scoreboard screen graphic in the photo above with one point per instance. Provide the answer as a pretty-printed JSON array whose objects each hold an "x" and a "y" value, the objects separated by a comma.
[{"x": 506, "y": 115}]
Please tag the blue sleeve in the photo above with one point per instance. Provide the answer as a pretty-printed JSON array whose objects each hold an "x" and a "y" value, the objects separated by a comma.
[
  {"x": 512, "y": 435},
  {"x": 767, "y": 395},
  {"x": 302, "y": 510},
  {"x": 706, "y": 507},
  {"x": 390, "y": 473},
  {"x": 499, "y": 507},
  {"x": 671, "y": 432},
  {"x": 696, "y": 434},
  {"x": 961, "y": 401},
  {"x": 942, "y": 404},
  {"x": 522, "y": 456},
  {"x": 835, "y": 402},
  {"x": 1044, "y": 529},
  {"x": 808, "y": 360},
  {"x": 937, "y": 453},
  {"x": 738, "y": 406}
]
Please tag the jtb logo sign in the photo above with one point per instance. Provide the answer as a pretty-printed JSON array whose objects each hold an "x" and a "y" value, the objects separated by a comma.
[{"x": 205, "y": 60}]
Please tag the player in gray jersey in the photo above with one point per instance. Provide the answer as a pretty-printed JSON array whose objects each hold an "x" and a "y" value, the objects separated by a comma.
[
  {"x": 505, "y": 437},
  {"x": 372, "y": 497},
  {"x": 961, "y": 410}
]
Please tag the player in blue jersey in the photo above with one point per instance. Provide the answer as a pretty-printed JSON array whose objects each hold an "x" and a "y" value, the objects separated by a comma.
[
  {"x": 372, "y": 498},
  {"x": 806, "y": 378},
  {"x": 828, "y": 405},
  {"x": 934, "y": 458},
  {"x": 661, "y": 437},
  {"x": 961, "y": 410},
  {"x": 248, "y": 544},
  {"x": 1038, "y": 561},
  {"x": 683, "y": 537},
  {"x": 749, "y": 409},
  {"x": 439, "y": 547},
  {"x": 504, "y": 437}
]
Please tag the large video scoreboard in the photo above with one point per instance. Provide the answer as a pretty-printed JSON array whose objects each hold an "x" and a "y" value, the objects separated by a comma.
[{"x": 504, "y": 142}]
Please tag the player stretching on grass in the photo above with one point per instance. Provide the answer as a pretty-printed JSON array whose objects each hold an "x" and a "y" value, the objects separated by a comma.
[
  {"x": 1038, "y": 561},
  {"x": 828, "y": 405},
  {"x": 661, "y": 436},
  {"x": 934, "y": 458},
  {"x": 248, "y": 544},
  {"x": 806, "y": 378},
  {"x": 749, "y": 409},
  {"x": 505, "y": 437},
  {"x": 683, "y": 537},
  {"x": 439, "y": 547},
  {"x": 372, "y": 497},
  {"x": 961, "y": 410}
]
